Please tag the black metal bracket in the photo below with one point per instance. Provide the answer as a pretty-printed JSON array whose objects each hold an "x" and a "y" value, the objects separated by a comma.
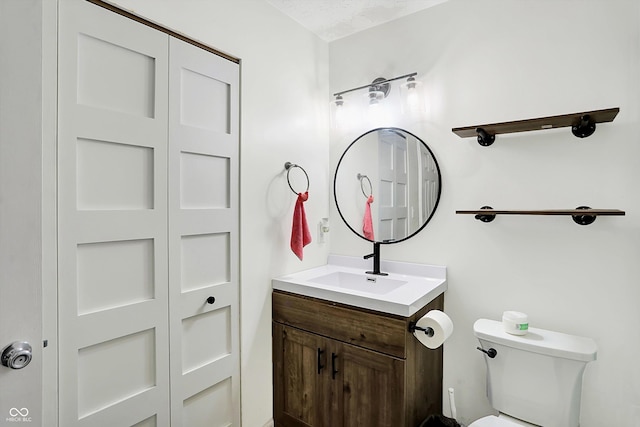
[
  {"x": 484, "y": 138},
  {"x": 414, "y": 327},
  {"x": 485, "y": 217},
  {"x": 583, "y": 219},
  {"x": 584, "y": 128},
  {"x": 381, "y": 84}
]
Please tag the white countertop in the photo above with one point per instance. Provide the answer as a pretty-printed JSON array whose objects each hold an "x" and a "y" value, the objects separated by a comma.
[{"x": 407, "y": 288}]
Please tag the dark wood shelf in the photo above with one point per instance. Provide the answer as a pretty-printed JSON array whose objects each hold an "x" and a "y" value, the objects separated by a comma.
[
  {"x": 596, "y": 212},
  {"x": 581, "y": 215},
  {"x": 582, "y": 125}
]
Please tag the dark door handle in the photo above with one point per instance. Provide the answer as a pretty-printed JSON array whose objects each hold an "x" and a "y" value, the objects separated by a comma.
[
  {"x": 334, "y": 371},
  {"x": 320, "y": 365}
]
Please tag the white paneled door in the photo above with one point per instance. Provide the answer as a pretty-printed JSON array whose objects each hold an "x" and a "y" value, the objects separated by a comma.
[
  {"x": 148, "y": 211},
  {"x": 203, "y": 238}
]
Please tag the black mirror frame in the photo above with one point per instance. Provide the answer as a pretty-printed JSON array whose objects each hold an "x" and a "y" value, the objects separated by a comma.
[{"x": 335, "y": 176}]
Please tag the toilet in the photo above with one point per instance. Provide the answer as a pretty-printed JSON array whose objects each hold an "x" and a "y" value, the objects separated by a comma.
[{"x": 533, "y": 379}]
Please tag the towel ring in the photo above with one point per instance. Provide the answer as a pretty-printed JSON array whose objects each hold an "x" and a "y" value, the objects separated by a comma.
[
  {"x": 362, "y": 178},
  {"x": 288, "y": 166}
]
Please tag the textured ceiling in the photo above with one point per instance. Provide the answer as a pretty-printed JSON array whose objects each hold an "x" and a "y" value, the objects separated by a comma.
[{"x": 333, "y": 19}]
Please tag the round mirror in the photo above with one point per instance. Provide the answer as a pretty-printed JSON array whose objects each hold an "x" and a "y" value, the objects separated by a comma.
[{"x": 387, "y": 185}]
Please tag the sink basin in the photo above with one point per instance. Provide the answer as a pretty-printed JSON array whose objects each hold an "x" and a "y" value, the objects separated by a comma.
[
  {"x": 406, "y": 289},
  {"x": 359, "y": 282}
]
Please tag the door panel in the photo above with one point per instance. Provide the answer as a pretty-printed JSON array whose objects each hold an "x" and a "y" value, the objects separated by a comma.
[
  {"x": 373, "y": 388},
  {"x": 301, "y": 359},
  {"x": 100, "y": 82},
  {"x": 203, "y": 238},
  {"x": 211, "y": 407},
  {"x": 112, "y": 186}
]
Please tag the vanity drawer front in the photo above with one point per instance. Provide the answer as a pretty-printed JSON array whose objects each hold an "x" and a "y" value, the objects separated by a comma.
[{"x": 383, "y": 333}]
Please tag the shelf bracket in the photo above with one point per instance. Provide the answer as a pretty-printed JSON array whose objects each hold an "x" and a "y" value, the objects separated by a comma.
[
  {"x": 584, "y": 128},
  {"x": 484, "y": 138},
  {"x": 583, "y": 219},
  {"x": 485, "y": 217}
]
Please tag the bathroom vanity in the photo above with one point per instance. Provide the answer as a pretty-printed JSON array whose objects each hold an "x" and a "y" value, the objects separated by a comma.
[
  {"x": 343, "y": 353},
  {"x": 339, "y": 362}
]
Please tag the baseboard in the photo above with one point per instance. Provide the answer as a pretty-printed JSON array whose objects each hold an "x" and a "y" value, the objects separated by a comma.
[{"x": 269, "y": 423}]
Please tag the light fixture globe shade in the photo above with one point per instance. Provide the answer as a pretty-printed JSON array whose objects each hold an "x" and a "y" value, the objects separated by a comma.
[
  {"x": 345, "y": 113},
  {"x": 339, "y": 113},
  {"x": 412, "y": 97},
  {"x": 378, "y": 114}
]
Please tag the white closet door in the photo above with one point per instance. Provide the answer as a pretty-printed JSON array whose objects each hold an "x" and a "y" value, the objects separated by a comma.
[
  {"x": 393, "y": 212},
  {"x": 203, "y": 238},
  {"x": 112, "y": 162}
]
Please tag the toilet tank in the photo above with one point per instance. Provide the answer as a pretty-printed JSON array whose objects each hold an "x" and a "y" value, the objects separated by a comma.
[{"x": 535, "y": 377}]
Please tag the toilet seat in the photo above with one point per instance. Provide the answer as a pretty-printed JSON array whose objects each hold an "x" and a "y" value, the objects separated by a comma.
[{"x": 493, "y": 421}]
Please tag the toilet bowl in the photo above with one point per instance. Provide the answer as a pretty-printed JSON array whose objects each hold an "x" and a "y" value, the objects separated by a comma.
[{"x": 533, "y": 379}]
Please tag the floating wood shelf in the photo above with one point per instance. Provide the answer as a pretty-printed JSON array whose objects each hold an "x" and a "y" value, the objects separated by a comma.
[
  {"x": 582, "y": 125},
  {"x": 582, "y": 215}
]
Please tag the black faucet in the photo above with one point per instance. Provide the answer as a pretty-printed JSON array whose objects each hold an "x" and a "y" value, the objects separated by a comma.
[{"x": 376, "y": 260}]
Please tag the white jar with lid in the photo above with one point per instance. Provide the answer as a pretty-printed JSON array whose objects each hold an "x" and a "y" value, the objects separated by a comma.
[{"x": 515, "y": 322}]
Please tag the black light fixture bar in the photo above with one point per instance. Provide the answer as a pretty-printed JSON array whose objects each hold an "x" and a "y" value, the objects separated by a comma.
[{"x": 375, "y": 83}]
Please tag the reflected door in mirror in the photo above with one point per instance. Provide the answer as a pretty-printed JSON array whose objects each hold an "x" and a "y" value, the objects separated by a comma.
[{"x": 401, "y": 174}]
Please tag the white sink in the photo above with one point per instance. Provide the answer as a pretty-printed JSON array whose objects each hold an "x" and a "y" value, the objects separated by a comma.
[
  {"x": 359, "y": 282},
  {"x": 406, "y": 289}
]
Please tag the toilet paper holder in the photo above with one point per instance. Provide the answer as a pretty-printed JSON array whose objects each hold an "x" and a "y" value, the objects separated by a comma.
[{"x": 414, "y": 327}]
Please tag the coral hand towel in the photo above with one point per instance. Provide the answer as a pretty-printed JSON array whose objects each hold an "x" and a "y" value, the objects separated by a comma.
[
  {"x": 367, "y": 221},
  {"x": 300, "y": 236}
]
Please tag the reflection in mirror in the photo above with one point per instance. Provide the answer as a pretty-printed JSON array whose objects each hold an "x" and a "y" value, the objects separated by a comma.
[{"x": 387, "y": 185}]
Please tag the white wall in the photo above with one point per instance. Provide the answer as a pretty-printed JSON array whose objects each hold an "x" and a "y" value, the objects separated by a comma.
[
  {"x": 500, "y": 60},
  {"x": 284, "y": 117}
]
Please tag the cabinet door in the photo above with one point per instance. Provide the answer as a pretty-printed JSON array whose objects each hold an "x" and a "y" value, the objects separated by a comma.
[
  {"x": 373, "y": 392},
  {"x": 300, "y": 365}
]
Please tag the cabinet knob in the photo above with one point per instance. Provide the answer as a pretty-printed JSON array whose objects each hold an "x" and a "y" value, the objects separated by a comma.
[{"x": 211, "y": 300}]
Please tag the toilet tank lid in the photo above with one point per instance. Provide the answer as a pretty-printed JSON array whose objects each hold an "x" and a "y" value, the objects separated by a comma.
[{"x": 556, "y": 344}]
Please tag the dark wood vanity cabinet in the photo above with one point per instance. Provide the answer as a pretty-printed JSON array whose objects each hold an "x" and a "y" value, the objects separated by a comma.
[{"x": 340, "y": 366}]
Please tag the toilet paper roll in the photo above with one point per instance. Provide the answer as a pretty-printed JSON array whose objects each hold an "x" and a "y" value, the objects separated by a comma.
[{"x": 441, "y": 325}]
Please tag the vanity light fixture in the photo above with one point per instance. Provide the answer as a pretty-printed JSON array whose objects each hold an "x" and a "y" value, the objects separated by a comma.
[{"x": 378, "y": 90}]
